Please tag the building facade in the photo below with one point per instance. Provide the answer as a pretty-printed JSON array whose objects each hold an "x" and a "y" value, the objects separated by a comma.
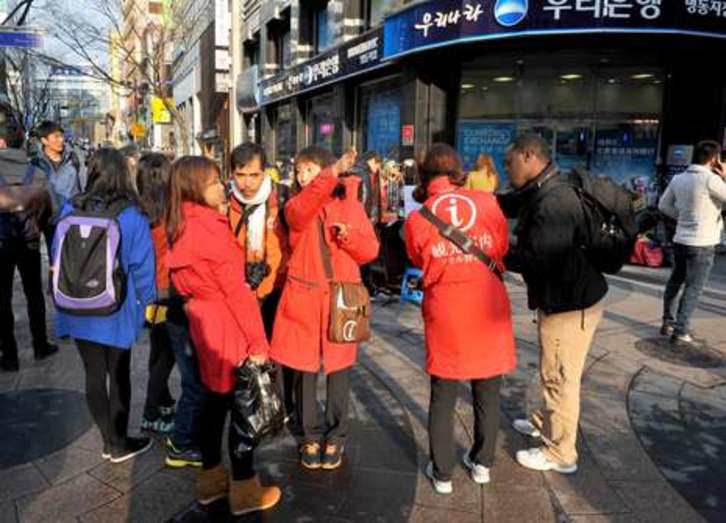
[
  {"x": 623, "y": 89},
  {"x": 201, "y": 76}
]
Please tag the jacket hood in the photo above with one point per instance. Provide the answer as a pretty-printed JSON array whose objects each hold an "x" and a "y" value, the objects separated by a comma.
[{"x": 13, "y": 165}]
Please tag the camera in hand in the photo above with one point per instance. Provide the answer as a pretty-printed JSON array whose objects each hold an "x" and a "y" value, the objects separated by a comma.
[{"x": 256, "y": 272}]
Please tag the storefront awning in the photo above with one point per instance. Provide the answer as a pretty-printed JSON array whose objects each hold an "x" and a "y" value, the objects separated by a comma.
[{"x": 440, "y": 23}]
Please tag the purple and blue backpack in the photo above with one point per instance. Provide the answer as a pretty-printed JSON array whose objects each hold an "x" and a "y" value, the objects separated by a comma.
[{"x": 87, "y": 278}]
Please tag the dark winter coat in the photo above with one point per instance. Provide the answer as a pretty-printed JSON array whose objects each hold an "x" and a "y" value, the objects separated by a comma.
[{"x": 548, "y": 250}]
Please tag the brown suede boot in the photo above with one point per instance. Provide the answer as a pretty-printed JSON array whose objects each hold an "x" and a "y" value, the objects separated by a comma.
[
  {"x": 212, "y": 484},
  {"x": 249, "y": 496}
]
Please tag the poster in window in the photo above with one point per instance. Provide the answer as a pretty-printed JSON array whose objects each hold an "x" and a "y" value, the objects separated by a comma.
[
  {"x": 627, "y": 154},
  {"x": 384, "y": 123},
  {"x": 475, "y": 137}
]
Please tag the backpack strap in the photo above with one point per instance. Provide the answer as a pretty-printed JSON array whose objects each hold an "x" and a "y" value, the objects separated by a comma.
[
  {"x": 462, "y": 240},
  {"x": 325, "y": 252}
]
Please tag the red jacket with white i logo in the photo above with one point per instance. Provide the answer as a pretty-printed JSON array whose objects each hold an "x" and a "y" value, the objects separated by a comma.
[{"x": 466, "y": 309}]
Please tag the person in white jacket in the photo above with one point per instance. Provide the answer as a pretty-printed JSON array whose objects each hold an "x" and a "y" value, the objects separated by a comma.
[{"x": 695, "y": 199}]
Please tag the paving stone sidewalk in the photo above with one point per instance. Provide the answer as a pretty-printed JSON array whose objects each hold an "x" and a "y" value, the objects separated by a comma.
[{"x": 637, "y": 402}]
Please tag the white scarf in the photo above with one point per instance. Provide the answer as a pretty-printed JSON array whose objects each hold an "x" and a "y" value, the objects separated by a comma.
[{"x": 258, "y": 219}]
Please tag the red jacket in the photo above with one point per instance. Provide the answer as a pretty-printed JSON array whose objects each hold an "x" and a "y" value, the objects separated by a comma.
[
  {"x": 300, "y": 338},
  {"x": 466, "y": 309},
  {"x": 158, "y": 235},
  {"x": 207, "y": 268}
]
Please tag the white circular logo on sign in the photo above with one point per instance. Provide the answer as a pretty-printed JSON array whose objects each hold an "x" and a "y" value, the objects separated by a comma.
[{"x": 460, "y": 208}]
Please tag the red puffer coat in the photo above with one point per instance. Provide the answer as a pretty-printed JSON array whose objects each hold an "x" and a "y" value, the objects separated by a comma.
[
  {"x": 300, "y": 339},
  {"x": 466, "y": 309},
  {"x": 207, "y": 268}
]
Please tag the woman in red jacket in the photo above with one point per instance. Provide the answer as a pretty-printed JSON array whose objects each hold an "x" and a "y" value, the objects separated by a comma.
[
  {"x": 466, "y": 310},
  {"x": 300, "y": 339},
  {"x": 207, "y": 269}
]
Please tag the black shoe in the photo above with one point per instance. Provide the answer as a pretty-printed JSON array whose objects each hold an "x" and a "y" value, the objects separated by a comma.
[
  {"x": 131, "y": 448},
  {"x": 178, "y": 457},
  {"x": 333, "y": 456},
  {"x": 310, "y": 456},
  {"x": 46, "y": 351},
  {"x": 9, "y": 365}
]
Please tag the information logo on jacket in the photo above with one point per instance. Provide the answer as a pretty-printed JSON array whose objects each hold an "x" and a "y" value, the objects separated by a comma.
[
  {"x": 509, "y": 13},
  {"x": 457, "y": 209}
]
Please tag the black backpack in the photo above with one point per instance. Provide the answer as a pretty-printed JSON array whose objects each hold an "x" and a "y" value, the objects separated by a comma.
[
  {"x": 610, "y": 227},
  {"x": 87, "y": 278}
]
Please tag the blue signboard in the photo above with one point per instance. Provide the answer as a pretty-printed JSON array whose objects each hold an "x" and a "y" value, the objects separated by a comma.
[
  {"x": 475, "y": 137},
  {"x": 442, "y": 22},
  {"x": 23, "y": 39}
]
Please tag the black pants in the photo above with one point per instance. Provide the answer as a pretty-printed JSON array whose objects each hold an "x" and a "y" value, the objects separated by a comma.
[
  {"x": 486, "y": 399},
  {"x": 26, "y": 257},
  {"x": 336, "y": 406},
  {"x": 213, "y": 416},
  {"x": 161, "y": 362},
  {"x": 268, "y": 308},
  {"x": 109, "y": 404}
]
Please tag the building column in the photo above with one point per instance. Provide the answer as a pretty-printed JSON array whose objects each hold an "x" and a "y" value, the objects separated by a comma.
[{"x": 235, "y": 49}]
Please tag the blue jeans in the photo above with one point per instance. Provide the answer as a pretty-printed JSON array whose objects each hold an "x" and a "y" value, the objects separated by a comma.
[
  {"x": 189, "y": 408},
  {"x": 692, "y": 268}
]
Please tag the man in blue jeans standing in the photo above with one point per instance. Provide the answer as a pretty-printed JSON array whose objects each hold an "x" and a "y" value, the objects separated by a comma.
[{"x": 695, "y": 199}]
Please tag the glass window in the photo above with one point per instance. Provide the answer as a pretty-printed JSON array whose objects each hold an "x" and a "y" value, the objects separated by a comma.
[
  {"x": 284, "y": 133},
  {"x": 325, "y": 30},
  {"x": 381, "y": 119},
  {"x": 285, "y": 52},
  {"x": 378, "y": 9},
  {"x": 325, "y": 124}
]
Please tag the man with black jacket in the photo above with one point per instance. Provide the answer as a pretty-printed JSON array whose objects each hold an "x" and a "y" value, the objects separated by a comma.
[
  {"x": 25, "y": 209},
  {"x": 563, "y": 287}
]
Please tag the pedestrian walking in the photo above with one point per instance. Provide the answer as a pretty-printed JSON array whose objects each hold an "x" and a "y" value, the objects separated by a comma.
[
  {"x": 330, "y": 238},
  {"x": 466, "y": 311},
  {"x": 152, "y": 182},
  {"x": 695, "y": 198},
  {"x": 80, "y": 268},
  {"x": 225, "y": 325},
  {"x": 25, "y": 209},
  {"x": 62, "y": 167},
  {"x": 564, "y": 288}
]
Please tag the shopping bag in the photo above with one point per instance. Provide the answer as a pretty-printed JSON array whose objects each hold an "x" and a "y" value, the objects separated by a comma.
[{"x": 258, "y": 412}]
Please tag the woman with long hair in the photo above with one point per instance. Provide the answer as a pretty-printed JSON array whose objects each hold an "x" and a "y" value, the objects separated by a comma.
[
  {"x": 466, "y": 311},
  {"x": 225, "y": 324},
  {"x": 485, "y": 177},
  {"x": 152, "y": 181},
  {"x": 105, "y": 341}
]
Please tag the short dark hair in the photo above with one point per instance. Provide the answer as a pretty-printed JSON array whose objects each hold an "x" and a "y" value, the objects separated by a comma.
[
  {"x": 706, "y": 151},
  {"x": 245, "y": 153},
  {"x": 46, "y": 128},
  {"x": 152, "y": 181},
  {"x": 317, "y": 155},
  {"x": 370, "y": 155},
  {"x": 532, "y": 142}
]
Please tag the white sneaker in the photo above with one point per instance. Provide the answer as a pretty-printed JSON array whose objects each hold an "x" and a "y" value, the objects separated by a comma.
[
  {"x": 524, "y": 426},
  {"x": 479, "y": 473},
  {"x": 535, "y": 459},
  {"x": 441, "y": 487}
]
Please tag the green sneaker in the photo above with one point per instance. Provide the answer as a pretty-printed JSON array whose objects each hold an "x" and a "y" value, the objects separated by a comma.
[{"x": 178, "y": 458}]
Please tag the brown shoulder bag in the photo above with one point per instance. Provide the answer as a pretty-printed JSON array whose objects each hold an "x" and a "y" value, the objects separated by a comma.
[{"x": 350, "y": 303}]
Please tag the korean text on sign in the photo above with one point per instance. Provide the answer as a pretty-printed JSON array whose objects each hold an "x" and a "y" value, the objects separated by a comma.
[{"x": 647, "y": 9}]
